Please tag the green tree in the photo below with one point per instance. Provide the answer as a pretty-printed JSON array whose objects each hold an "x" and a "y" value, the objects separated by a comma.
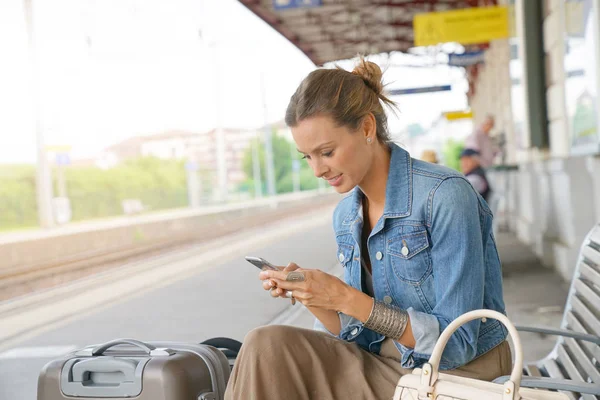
[
  {"x": 451, "y": 151},
  {"x": 283, "y": 151},
  {"x": 95, "y": 193},
  {"x": 18, "y": 208}
]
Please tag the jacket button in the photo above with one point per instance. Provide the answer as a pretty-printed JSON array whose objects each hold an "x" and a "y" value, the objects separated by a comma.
[
  {"x": 354, "y": 331},
  {"x": 341, "y": 257},
  {"x": 404, "y": 251},
  {"x": 484, "y": 320},
  {"x": 387, "y": 299},
  {"x": 379, "y": 255}
]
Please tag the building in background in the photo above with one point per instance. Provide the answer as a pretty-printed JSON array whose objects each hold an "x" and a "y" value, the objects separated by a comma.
[{"x": 199, "y": 147}]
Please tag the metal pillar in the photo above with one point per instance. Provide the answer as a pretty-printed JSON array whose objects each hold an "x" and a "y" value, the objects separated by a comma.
[
  {"x": 271, "y": 190},
  {"x": 220, "y": 134},
  {"x": 256, "y": 169},
  {"x": 530, "y": 30},
  {"x": 295, "y": 168},
  {"x": 43, "y": 176}
]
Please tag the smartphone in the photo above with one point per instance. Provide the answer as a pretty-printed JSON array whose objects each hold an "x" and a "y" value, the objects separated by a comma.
[{"x": 261, "y": 263}]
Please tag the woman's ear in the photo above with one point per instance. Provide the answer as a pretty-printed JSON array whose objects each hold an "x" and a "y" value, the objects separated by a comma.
[{"x": 369, "y": 126}]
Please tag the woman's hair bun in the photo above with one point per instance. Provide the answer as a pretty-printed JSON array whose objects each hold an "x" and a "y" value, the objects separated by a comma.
[{"x": 371, "y": 74}]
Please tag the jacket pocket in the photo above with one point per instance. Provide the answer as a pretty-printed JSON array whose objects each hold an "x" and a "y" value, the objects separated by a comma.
[
  {"x": 409, "y": 256},
  {"x": 344, "y": 254}
]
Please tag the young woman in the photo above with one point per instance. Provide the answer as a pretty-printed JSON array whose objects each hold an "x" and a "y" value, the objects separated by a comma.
[{"x": 415, "y": 241}]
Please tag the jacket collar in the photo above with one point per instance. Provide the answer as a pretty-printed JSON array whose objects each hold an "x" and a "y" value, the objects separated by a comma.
[{"x": 398, "y": 188}]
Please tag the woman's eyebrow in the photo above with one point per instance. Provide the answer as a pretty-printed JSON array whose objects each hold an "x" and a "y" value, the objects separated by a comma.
[{"x": 316, "y": 148}]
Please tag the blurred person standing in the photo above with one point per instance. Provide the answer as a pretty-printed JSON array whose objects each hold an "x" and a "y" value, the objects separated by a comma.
[
  {"x": 470, "y": 166},
  {"x": 481, "y": 141},
  {"x": 430, "y": 156}
]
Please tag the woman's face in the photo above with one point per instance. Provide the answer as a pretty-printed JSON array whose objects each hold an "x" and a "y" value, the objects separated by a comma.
[{"x": 336, "y": 154}]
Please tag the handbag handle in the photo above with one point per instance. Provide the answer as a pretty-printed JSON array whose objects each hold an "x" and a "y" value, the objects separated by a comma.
[{"x": 436, "y": 355}]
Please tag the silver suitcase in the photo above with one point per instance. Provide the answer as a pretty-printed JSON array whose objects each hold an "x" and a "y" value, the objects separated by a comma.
[{"x": 127, "y": 368}]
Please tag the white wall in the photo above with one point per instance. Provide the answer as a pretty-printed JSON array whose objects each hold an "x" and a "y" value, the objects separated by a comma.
[{"x": 551, "y": 205}]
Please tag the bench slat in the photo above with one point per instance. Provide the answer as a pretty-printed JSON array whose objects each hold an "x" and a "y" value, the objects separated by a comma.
[
  {"x": 585, "y": 315},
  {"x": 589, "y": 295},
  {"x": 595, "y": 234},
  {"x": 590, "y": 273},
  {"x": 568, "y": 365},
  {"x": 583, "y": 360},
  {"x": 591, "y": 254},
  {"x": 533, "y": 370},
  {"x": 552, "y": 369},
  {"x": 576, "y": 326},
  {"x": 554, "y": 372}
]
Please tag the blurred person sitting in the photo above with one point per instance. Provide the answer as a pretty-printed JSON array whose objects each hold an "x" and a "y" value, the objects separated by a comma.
[
  {"x": 470, "y": 165},
  {"x": 430, "y": 156},
  {"x": 481, "y": 141}
]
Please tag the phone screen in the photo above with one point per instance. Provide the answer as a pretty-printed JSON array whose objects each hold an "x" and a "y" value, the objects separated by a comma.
[{"x": 261, "y": 263}]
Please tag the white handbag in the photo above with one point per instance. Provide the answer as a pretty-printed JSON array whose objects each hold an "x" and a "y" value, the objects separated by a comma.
[{"x": 427, "y": 383}]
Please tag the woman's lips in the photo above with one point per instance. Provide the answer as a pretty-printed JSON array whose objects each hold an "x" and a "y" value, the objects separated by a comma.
[{"x": 335, "y": 181}]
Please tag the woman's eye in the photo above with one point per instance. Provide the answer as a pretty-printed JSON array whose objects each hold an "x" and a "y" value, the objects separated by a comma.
[
  {"x": 328, "y": 154},
  {"x": 306, "y": 157}
]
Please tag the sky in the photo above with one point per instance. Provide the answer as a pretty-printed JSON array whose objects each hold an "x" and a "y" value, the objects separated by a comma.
[{"x": 113, "y": 69}]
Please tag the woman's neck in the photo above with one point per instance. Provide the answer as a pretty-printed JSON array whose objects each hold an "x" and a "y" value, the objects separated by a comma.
[{"x": 374, "y": 182}]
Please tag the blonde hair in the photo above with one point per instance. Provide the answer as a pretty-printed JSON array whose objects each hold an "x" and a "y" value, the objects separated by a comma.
[{"x": 347, "y": 97}]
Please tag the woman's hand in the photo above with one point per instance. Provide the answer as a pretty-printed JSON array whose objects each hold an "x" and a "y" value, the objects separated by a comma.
[
  {"x": 271, "y": 286},
  {"x": 318, "y": 290}
]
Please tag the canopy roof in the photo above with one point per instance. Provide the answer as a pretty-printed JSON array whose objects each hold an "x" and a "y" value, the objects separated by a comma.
[{"x": 340, "y": 29}]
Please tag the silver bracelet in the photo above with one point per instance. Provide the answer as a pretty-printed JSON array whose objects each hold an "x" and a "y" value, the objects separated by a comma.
[{"x": 387, "y": 319}]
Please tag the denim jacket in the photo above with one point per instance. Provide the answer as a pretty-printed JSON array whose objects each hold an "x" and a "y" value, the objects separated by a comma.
[{"x": 432, "y": 253}]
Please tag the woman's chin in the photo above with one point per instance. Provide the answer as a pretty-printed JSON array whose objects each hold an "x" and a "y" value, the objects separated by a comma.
[{"x": 344, "y": 188}]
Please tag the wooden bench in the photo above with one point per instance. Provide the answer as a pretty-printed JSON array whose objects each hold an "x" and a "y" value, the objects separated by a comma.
[{"x": 573, "y": 366}]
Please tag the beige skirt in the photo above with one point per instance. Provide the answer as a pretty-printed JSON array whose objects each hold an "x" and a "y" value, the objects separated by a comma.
[{"x": 288, "y": 363}]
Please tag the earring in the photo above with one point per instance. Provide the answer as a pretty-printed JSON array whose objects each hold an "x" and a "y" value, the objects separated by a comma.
[{"x": 369, "y": 140}]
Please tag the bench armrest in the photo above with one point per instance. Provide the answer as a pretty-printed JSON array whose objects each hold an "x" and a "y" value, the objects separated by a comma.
[
  {"x": 555, "y": 384},
  {"x": 560, "y": 332}
]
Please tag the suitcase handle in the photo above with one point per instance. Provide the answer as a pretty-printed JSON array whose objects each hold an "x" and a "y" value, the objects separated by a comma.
[
  {"x": 100, "y": 349},
  {"x": 107, "y": 365}
]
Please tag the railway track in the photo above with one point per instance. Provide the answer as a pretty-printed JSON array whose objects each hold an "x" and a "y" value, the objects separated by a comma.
[{"x": 20, "y": 281}]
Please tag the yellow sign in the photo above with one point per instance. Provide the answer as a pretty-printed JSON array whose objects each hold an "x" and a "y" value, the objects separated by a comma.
[
  {"x": 454, "y": 115},
  {"x": 466, "y": 26}
]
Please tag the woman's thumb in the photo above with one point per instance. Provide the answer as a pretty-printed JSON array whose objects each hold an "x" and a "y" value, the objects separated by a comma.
[{"x": 291, "y": 267}]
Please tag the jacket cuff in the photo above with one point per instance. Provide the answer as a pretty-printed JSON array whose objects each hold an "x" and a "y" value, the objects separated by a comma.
[
  {"x": 426, "y": 331},
  {"x": 351, "y": 328}
]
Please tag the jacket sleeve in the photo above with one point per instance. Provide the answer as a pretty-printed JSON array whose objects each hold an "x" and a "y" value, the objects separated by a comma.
[{"x": 458, "y": 267}]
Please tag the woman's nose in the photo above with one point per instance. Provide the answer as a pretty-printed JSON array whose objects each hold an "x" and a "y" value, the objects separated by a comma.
[{"x": 319, "y": 169}]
